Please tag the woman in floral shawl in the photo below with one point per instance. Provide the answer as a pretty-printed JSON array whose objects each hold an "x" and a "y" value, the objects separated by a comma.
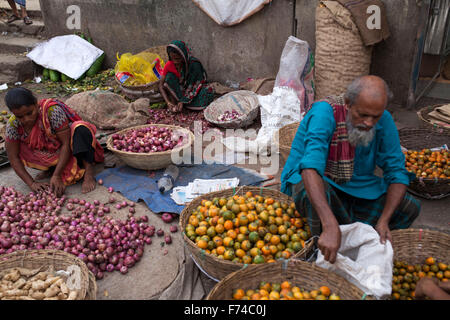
[
  {"x": 48, "y": 135},
  {"x": 183, "y": 81}
]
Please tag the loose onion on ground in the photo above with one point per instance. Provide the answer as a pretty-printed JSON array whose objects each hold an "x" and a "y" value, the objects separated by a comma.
[{"x": 33, "y": 221}]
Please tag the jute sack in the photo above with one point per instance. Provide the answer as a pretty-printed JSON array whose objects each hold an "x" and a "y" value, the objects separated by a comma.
[
  {"x": 109, "y": 111},
  {"x": 341, "y": 55}
]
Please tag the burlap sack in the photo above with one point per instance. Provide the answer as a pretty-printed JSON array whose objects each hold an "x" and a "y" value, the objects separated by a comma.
[
  {"x": 109, "y": 111},
  {"x": 341, "y": 55}
]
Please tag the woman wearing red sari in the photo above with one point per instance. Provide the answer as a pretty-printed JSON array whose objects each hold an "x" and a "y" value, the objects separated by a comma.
[{"x": 48, "y": 135}]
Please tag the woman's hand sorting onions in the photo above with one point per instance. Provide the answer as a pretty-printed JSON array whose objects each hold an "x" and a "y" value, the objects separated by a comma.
[{"x": 146, "y": 140}]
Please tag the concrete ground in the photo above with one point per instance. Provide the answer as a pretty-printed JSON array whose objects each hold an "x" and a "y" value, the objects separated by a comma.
[{"x": 158, "y": 267}]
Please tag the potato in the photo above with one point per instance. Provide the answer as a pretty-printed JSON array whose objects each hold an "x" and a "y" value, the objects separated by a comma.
[
  {"x": 27, "y": 286},
  {"x": 61, "y": 296},
  {"x": 72, "y": 295},
  {"x": 24, "y": 298},
  {"x": 16, "y": 292},
  {"x": 27, "y": 272},
  {"x": 38, "y": 285},
  {"x": 13, "y": 276},
  {"x": 50, "y": 281},
  {"x": 40, "y": 276},
  {"x": 19, "y": 283},
  {"x": 58, "y": 282},
  {"x": 51, "y": 292},
  {"x": 37, "y": 295},
  {"x": 64, "y": 288}
]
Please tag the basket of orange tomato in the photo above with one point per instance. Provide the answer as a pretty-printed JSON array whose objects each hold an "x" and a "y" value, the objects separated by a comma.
[
  {"x": 427, "y": 156},
  {"x": 230, "y": 229},
  {"x": 418, "y": 253},
  {"x": 292, "y": 280}
]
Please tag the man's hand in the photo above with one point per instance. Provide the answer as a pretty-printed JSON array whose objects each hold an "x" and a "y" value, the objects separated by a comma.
[
  {"x": 429, "y": 288},
  {"x": 330, "y": 242},
  {"x": 38, "y": 186},
  {"x": 57, "y": 185},
  {"x": 179, "y": 107},
  {"x": 384, "y": 231}
]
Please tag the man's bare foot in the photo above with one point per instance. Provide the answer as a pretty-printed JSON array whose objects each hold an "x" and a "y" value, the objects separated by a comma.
[{"x": 89, "y": 184}]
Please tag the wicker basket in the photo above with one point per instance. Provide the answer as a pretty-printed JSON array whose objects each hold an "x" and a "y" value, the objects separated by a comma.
[
  {"x": 249, "y": 109},
  {"x": 423, "y": 115},
  {"x": 151, "y": 161},
  {"x": 284, "y": 137},
  {"x": 91, "y": 294},
  {"x": 149, "y": 90},
  {"x": 214, "y": 267},
  {"x": 415, "y": 245},
  {"x": 60, "y": 260},
  {"x": 302, "y": 274},
  {"x": 417, "y": 139}
]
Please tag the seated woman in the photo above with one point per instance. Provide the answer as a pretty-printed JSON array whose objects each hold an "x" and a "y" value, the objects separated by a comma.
[
  {"x": 183, "y": 81},
  {"x": 49, "y": 136}
]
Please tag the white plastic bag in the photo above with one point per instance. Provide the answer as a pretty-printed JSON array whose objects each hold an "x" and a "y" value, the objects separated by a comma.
[
  {"x": 230, "y": 12},
  {"x": 68, "y": 54},
  {"x": 297, "y": 70},
  {"x": 363, "y": 260},
  {"x": 278, "y": 109}
]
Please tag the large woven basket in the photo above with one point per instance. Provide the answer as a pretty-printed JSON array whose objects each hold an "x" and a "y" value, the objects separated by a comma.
[
  {"x": 213, "y": 267},
  {"x": 244, "y": 101},
  {"x": 156, "y": 160},
  {"x": 417, "y": 139},
  {"x": 149, "y": 90},
  {"x": 302, "y": 274},
  {"x": 415, "y": 245},
  {"x": 284, "y": 137},
  {"x": 59, "y": 260},
  {"x": 423, "y": 115}
]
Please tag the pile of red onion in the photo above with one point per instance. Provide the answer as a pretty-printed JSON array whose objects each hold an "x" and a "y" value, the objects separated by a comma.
[
  {"x": 147, "y": 140},
  {"x": 105, "y": 244},
  {"x": 229, "y": 116},
  {"x": 183, "y": 119}
]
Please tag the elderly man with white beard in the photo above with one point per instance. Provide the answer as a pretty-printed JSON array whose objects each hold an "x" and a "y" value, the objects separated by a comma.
[{"x": 330, "y": 169}]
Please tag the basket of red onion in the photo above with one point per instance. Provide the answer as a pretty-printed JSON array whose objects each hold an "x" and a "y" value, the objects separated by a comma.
[
  {"x": 150, "y": 146},
  {"x": 237, "y": 109}
]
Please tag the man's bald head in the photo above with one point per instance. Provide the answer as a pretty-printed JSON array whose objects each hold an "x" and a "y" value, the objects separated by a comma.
[{"x": 371, "y": 91}]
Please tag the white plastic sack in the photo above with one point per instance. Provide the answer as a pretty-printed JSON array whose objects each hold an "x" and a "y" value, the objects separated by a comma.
[
  {"x": 278, "y": 109},
  {"x": 230, "y": 12},
  {"x": 68, "y": 54},
  {"x": 363, "y": 260},
  {"x": 297, "y": 70}
]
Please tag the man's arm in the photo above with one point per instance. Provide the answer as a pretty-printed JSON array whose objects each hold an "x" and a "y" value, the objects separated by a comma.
[
  {"x": 430, "y": 288},
  {"x": 330, "y": 238},
  {"x": 395, "y": 194},
  {"x": 391, "y": 160}
]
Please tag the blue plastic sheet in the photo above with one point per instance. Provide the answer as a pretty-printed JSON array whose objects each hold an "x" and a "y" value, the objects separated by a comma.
[{"x": 138, "y": 185}]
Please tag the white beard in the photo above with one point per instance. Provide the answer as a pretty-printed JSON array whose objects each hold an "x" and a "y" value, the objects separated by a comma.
[{"x": 358, "y": 137}]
